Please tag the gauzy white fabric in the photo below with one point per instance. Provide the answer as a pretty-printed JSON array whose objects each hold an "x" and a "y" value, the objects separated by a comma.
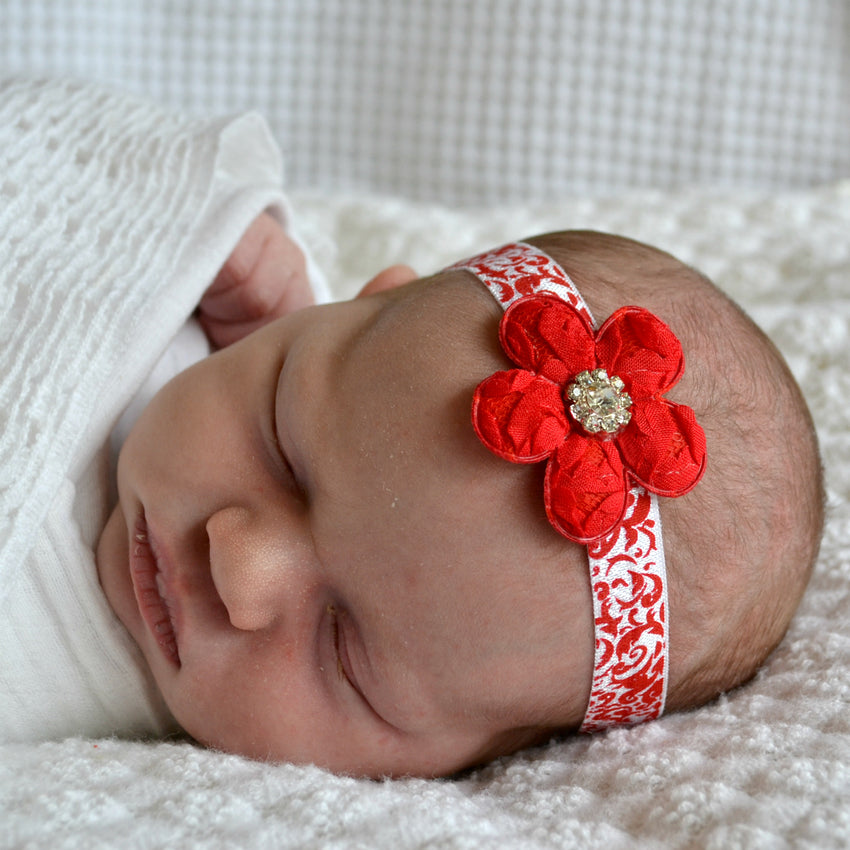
[{"x": 114, "y": 217}]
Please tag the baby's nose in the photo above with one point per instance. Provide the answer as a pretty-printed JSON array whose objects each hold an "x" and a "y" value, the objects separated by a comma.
[{"x": 252, "y": 569}]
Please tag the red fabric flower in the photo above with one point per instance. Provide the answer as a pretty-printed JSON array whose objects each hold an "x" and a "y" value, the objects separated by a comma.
[{"x": 524, "y": 416}]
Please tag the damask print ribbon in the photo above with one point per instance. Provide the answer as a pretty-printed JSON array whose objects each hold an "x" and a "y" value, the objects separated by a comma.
[{"x": 627, "y": 568}]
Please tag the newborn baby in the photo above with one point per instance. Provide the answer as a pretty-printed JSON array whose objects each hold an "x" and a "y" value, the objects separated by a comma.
[
  {"x": 398, "y": 535},
  {"x": 324, "y": 561}
]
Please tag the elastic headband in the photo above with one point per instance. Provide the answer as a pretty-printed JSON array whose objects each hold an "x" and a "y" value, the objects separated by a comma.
[{"x": 589, "y": 402}]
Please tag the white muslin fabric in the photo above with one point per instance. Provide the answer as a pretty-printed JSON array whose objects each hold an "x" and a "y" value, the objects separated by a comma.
[{"x": 114, "y": 217}]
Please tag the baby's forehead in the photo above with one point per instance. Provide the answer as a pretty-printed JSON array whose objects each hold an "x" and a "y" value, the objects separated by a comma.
[
  {"x": 406, "y": 381},
  {"x": 442, "y": 329},
  {"x": 468, "y": 528}
]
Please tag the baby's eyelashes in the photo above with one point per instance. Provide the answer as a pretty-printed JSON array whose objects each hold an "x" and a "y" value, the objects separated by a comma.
[
  {"x": 340, "y": 668},
  {"x": 344, "y": 667}
]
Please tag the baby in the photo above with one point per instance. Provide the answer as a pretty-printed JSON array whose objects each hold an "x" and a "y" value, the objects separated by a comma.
[
  {"x": 325, "y": 560},
  {"x": 402, "y": 534}
]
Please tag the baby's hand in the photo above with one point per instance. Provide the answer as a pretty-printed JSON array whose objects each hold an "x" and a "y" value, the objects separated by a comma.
[{"x": 264, "y": 278}]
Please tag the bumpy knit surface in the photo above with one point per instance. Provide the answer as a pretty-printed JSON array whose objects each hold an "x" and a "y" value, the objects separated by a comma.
[{"x": 767, "y": 766}]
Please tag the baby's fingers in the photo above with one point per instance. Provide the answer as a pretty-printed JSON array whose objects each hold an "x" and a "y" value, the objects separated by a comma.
[{"x": 264, "y": 278}]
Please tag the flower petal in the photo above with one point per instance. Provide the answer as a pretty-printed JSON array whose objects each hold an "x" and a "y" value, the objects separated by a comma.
[
  {"x": 519, "y": 415},
  {"x": 663, "y": 447},
  {"x": 548, "y": 336},
  {"x": 585, "y": 488},
  {"x": 636, "y": 345}
]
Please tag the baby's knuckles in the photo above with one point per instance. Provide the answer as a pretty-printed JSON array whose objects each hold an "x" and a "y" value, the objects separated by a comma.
[{"x": 263, "y": 279}]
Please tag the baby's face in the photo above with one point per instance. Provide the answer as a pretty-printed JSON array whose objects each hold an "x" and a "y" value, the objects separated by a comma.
[{"x": 321, "y": 563}]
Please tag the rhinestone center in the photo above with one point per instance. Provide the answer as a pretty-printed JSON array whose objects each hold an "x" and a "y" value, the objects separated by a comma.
[{"x": 599, "y": 401}]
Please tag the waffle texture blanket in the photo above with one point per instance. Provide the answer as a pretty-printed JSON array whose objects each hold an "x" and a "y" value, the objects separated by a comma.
[
  {"x": 114, "y": 218},
  {"x": 767, "y": 766}
]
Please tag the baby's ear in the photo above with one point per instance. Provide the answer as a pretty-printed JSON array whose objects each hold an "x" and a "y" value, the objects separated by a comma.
[{"x": 389, "y": 278}]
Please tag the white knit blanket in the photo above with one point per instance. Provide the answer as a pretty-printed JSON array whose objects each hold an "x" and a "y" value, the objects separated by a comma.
[{"x": 766, "y": 766}]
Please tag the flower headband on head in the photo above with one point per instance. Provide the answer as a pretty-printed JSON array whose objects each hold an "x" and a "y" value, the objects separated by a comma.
[{"x": 590, "y": 403}]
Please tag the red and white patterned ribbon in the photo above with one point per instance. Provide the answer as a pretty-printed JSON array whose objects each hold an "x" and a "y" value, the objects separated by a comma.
[{"x": 627, "y": 570}]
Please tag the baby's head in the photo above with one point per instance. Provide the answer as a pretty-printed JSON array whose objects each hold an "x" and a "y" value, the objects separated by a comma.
[{"x": 321, "y": 562}]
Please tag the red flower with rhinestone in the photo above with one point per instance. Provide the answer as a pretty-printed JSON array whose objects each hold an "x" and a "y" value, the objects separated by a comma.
[{"x": 591, "y": 403}]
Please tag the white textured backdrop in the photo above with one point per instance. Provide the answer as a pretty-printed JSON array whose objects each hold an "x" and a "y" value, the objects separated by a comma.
[{"x": 483, "y": 101}]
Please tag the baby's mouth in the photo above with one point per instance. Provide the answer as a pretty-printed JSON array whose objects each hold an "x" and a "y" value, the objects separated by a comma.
[{"x": 151, "y": 585}]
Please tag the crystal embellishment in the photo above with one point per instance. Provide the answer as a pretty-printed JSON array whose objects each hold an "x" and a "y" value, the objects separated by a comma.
[{"x": 599, "y": 401}]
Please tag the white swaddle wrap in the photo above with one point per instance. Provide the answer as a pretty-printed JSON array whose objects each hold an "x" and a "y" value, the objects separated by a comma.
[{"x": 114, "y": 217}]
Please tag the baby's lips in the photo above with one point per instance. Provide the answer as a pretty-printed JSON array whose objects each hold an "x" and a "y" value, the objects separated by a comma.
[{"x": 154, "y": 592}]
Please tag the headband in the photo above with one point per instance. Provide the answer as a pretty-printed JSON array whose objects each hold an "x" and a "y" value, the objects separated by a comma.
[{"x": 589, "y": 402}]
